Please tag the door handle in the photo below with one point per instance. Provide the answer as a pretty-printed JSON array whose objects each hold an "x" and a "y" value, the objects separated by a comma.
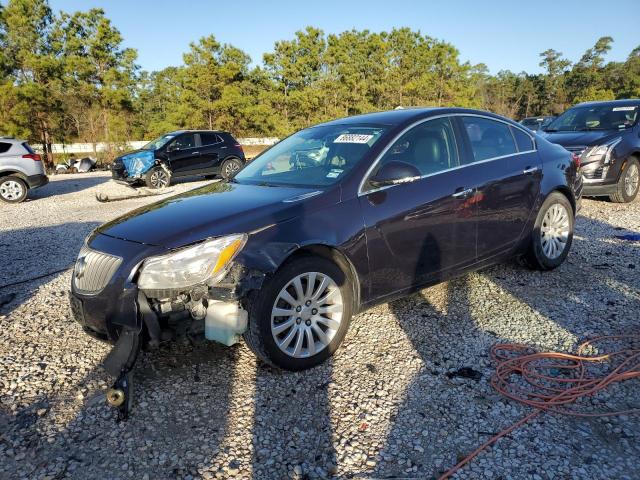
[
  {"x": 463, "y": 193},
  {"x": 195, "y": 153},
  {"x": 530, "y": 170}
]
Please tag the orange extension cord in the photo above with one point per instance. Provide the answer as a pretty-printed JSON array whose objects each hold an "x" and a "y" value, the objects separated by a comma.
[{"x": 568, "y": 380}]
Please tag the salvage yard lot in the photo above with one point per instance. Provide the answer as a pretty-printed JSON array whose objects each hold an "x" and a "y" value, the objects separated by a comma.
[{"x": 387, "y": 405}]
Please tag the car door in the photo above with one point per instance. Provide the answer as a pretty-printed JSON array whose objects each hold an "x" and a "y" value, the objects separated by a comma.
[
  {"x": 508, "y": 181},
  {"x": 419, "y": 230},
  {"x": 210, "y": 144},
  {"x": 183, "y": 154}
]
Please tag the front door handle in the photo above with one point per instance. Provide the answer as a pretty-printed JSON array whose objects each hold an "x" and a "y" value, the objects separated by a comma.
[
  {"x": 195, "y": 153},
  {"x": 530, "y": 170},
  {"x": 463, "y": 193}
]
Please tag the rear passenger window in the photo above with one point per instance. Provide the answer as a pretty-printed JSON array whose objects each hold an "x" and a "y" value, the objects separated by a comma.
[
  {"x": 524, "y": 142},
  {"x": 489, "y": 138},
  {"x": 209, "y": 139},
  {"x": 4, "y": 147}
]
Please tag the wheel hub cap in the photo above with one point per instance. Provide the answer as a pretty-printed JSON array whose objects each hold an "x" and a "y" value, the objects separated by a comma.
[
  {"x": 306, "y": 314},
  {"x": 11, "y": 190},
  {"x": 631, "y": 180},
  {"x": 554, "y": 231}
]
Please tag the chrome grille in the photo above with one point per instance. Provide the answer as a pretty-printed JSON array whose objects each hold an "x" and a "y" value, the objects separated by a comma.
[{"x": 93, "y": 270}]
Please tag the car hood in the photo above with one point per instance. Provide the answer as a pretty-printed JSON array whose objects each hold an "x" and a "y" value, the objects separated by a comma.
[
  {"x": 587, "y": 139},
  {"x": 220, "y": 208}
]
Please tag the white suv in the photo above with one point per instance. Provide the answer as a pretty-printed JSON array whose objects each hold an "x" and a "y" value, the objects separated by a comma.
[{"x": 20, "y": 170}]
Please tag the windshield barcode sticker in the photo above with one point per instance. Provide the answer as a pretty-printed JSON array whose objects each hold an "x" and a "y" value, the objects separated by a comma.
[{"x": 353, "y": 138}]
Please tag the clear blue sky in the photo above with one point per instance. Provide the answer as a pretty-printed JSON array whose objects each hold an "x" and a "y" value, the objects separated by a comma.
[{"x": 502, "y": 34}]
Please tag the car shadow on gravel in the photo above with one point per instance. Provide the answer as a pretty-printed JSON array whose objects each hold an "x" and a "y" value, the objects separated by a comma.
[
  {"x": 70, "y": 184},
  {"x": 32, "y": 256}
]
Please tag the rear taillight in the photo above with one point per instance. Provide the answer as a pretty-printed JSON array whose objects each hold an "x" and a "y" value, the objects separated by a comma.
[
  {"x": 32, "y": 156},
  {"x": 239, "y": 146},
  {"x": 576, "y": 159}
]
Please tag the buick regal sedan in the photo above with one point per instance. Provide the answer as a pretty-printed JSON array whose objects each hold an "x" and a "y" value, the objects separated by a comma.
[{"x": 328, "y": 222}]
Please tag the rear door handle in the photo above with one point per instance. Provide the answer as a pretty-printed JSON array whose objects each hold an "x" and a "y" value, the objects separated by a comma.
[
  {"x": 530, "y": 170},
  {"x": 195, "y": 153},
  {"x": 462, "y": 193}
]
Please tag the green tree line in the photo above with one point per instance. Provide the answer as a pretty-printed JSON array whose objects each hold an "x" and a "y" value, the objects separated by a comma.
[{"x": 66, "y": 77}]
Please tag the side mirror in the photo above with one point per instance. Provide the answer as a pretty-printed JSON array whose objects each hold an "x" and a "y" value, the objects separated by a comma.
[
  {"x": 172, "y": 148},
  {"x": 393, "y": 173}
]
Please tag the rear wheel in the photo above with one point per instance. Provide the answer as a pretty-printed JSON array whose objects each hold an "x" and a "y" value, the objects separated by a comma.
[
  {"x": 157, "y": 178},
  {"x": 552, "y": 234},
  {"x": 300, "y": 317},
  {"x": 628, "y": 184},
  {"x": 230, "y": 167},
  {"x": 13, "y": 189}
]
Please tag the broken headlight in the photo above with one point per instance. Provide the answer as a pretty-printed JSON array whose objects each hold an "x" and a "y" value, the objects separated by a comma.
[{"x": 204, "y": 263}]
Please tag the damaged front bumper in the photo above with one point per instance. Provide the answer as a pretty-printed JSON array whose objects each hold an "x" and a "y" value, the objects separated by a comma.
[{"x": 121, "y": 314}]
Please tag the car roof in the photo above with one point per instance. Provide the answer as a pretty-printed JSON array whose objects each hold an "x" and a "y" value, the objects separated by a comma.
[
  {"x": 621, "y": 102},
  {"x": 178, "y": 132},
  {"x": 404, "y": 116}
]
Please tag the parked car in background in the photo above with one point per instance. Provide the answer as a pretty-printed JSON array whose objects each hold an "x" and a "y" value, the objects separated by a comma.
[
  {"x": 536, "y": 123},
  {"x": 75, "y": 165},
  {"x": 21, "y": 169},
  {"x": 180, "y": 154},
  {"x": 606, "y": 135},
  {"x": 328, "y": 222}
]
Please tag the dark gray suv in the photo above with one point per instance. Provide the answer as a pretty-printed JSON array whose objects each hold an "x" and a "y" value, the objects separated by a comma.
[{"x": 606, "y": 136}]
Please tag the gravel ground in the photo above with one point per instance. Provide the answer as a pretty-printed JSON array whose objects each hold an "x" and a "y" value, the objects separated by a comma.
[{"x": 386, "y": 406}]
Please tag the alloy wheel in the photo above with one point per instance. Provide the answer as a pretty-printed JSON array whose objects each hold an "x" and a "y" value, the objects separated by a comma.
[
  {"x": 11, "y": 190},
  {"x": 306, "y": 314},
  {"x": 631, "y": 180},
  {"x": 230, "y": 168},
  {"x": 554, "y": 231},
  {"x": 159, "y": 179}
]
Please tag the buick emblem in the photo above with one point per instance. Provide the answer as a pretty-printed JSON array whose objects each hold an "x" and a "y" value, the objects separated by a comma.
[{"x": 81, "y": 266}]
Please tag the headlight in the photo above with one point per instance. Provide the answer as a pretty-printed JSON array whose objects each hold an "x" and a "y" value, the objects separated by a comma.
[
  {"x": 206, "y": 262},
  {"x": 605, "y": 150}
]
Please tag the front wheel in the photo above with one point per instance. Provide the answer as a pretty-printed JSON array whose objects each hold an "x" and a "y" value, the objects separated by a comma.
[
  {"x": 628, "y": 184},
  {"x": 13, "y": 189},
  {"x": 300, "y": 317},
  {"x": 157, "y": 178},
  {"x": 552, "y": 234},
  {"x": 230, "y": 167}
]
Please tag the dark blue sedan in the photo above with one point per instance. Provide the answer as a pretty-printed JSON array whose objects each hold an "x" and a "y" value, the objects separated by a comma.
[{"x": 329, "y": 222}]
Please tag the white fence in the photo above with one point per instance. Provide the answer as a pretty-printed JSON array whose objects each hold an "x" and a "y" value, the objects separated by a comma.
[{"x": 133, "y": 145}]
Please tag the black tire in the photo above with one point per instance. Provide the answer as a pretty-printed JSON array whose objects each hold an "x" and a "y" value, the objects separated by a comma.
[
  {"x": 628, "y": 175},
  {"x": 230, "y": 167},
  {"x": 13, "y": 189},
  {"x": 259, "y": 337},
  {"x": 157, "y": 178},
  {"x": 535, "y": 257}
]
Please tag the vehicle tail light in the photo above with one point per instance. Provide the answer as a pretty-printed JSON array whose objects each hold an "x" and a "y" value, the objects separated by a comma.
[
  {"x": 32, "y": 156},
  {"x": 576, "y": 159},
  {"x": 239, "y": 146}
]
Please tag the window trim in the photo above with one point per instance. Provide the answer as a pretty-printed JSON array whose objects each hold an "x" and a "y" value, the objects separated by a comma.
[{"x": 362, "y": 192}]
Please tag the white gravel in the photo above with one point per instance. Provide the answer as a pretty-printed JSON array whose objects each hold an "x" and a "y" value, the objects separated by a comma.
[{"x": 384, "y": 407}]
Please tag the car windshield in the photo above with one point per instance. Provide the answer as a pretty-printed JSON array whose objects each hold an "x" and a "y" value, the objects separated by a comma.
[
  {"x": 314, "y": 157},
  {"x": 596, "y": 117},
  {"x": 159, "y": 142}
]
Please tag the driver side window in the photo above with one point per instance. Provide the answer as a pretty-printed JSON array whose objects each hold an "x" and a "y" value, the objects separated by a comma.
[
  {"x": 428, "y": 148},
  {"x": 183, "y": 142}
]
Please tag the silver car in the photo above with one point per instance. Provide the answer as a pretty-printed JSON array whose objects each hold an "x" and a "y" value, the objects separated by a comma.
[{"x": 21, "y": 169}]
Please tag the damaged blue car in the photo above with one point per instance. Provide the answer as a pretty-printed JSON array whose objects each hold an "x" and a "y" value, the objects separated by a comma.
[{"x": 182, "y": 153}]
